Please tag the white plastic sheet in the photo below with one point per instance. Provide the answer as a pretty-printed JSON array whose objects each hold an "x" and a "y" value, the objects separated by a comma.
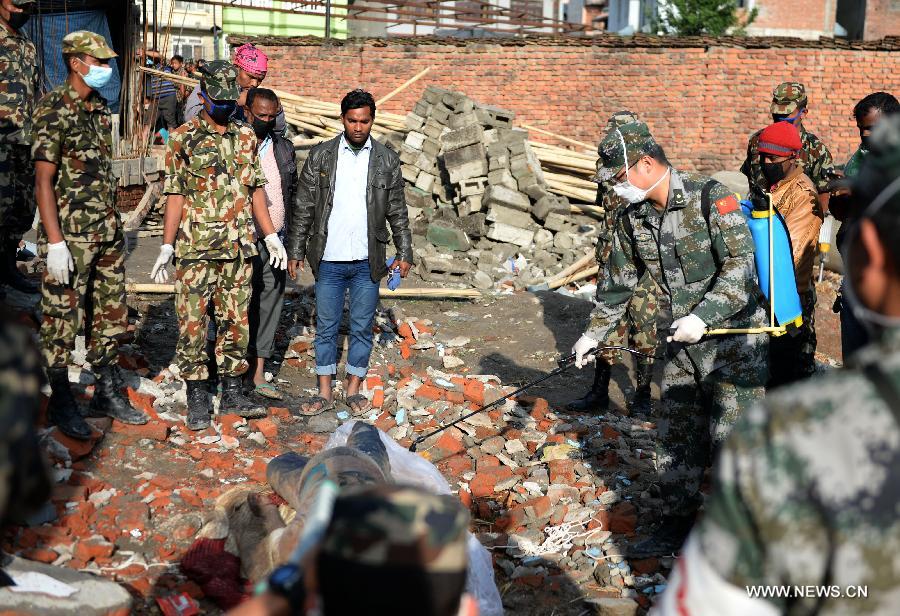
[{"x": 408, "y": 468}]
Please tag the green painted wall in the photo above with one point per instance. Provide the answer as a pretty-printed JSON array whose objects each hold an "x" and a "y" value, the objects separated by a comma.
[{"x": 273, "y": 23}]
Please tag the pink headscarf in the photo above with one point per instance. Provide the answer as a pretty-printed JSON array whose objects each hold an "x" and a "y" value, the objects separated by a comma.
[{"x": 251, "y": 59}]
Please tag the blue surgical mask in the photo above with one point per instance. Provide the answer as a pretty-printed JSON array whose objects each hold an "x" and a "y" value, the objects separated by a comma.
[
  {"x": 220, "y": 112},
  {"x": 97, "y": 76},
  {"x": 789, "y": 119}
]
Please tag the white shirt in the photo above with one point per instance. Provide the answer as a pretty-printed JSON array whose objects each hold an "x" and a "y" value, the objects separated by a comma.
[{"x": 348, "y": 229}]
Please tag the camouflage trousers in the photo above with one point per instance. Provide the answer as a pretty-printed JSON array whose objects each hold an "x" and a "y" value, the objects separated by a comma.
[
  {"x": 224, "y": 284},
  {"x": 638, "y": 329},
  {"x": 793, "y": 358},
  {"x": 17, "y": 204},
  {"x": 701, "y": 401},
  {"x": 95, "y": 296}
]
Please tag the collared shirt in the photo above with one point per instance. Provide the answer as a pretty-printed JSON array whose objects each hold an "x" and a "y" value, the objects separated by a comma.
[
  {"x": 19, "y": 75},
  {"x": 215, "y": 174},
  {"x": 348, "y": 229},
  {"x": 76, "y": 136}
]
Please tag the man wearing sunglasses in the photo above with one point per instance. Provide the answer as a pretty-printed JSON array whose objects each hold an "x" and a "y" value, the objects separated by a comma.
[
  {"x": 688, "y": 233},
  {"x": 790, "y": 104}
]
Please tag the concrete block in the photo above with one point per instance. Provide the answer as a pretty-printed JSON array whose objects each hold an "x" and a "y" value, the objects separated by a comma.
[
  {"x": 497, "y": 149},
  {"x": 426, "y": 163},
  {"x": 474, "y": 225},
  {"x": 418, "y": 198},
  {"x": 556, "y": 221},
  {"x": 459, "y": 102},
  {"x": 490, "y": 136},
  {"x": 500, "y": 232},
  {"x": 431, "y": 147},
  {"x": 408, "y": 155},
  {"x": 460, "y": 138},
  {"x": 434, "y": 94},
  {"x": 469, "y": 206},
  {"x": 422, "y": 109},
  {"x": 543, "y": 239},
  {"x": 535, "y": 191},
  {"x": 425, "y": 181},
  {"x": 461, "y": 120},
  {"x": 472, "y": 187},
  {"x": 410, "y": 173},
  {"x": 438, "y": 265},
  {"x": 465, "y": 163},
  {"x": 502, "y": 177},
  {"x": 440, "y": 114},
  {"x": 547, "y": 204},
  {"x": 415, "y": 140},
  {"x": 498, "y": 162},
  {"x": 433, "y": 129},
  {"x": 494, "y": 116},
  {"x": 516, "y": 147},
  {"x": 509, "y": 216},
  {"x": 413, "y": 121},
  {"x": 501, "y": 195},
  {"x": 445, "y": 235}
]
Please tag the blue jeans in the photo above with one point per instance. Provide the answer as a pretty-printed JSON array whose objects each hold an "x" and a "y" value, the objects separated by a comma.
[{"x": 333, "y": 281}]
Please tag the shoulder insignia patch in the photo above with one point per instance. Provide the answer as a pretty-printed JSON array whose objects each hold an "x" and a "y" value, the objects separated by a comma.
[{"x": 726, "y": 205}]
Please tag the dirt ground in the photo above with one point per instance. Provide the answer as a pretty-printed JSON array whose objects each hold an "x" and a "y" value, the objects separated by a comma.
[{"x": 164, "y": 487}]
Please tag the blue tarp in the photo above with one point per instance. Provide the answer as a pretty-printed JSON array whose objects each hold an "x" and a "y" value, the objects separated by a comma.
[{"x": 50, "y": 29}]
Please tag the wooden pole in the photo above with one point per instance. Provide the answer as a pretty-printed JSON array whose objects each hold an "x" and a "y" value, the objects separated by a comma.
[
  {"x": 560, "y": 137},
  {"x": 400, "y": 89},
  {"x": 409, "y": 293},
  {"x": 591, "y": 271}
]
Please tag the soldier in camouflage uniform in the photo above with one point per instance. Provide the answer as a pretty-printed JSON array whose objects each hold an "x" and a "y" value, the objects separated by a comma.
[
  {"x": 807, "y": 487},
  {"x": 688, "y": 233},
  {"x": 789, "y": 104},
  {"x": 81, "y": 235},
  {"x": 24, "y": 484},
  {"x": 19, "y": 86},
  {"x": 212, "y": 177},
  {"x": 637, "y": 331}
]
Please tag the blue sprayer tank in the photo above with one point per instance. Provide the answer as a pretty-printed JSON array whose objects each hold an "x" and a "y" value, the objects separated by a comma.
[{"x": 787, "y": 301}]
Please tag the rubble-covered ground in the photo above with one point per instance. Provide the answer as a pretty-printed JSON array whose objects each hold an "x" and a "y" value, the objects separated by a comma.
[{"x": 555, "y": 496}]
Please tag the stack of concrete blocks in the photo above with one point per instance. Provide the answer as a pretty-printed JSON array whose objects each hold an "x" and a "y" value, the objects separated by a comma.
[{"x": 474, "y": 182}]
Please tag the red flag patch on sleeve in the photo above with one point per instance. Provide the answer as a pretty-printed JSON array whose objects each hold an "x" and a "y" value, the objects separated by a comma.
[{"x": 726, "y": 205}]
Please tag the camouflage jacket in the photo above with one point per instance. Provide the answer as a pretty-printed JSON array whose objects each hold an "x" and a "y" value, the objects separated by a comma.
[
  {"x": 612, "y": 205},
  {"x": 215, "y": 173},
  {"x": 701, "y": 267},
  {"x": 816, "y": 158},
  {"x": 76, "y": 135},
  {"x": 19, "y": 87},
  {"x": 808, "y": 488}
]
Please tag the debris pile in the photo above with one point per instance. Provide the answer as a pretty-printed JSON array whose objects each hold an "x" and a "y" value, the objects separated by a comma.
[{"x": 481, "y": 208}]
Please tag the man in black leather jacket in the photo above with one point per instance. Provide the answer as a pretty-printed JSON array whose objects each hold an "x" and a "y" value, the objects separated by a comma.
[{"x": 349, "y": 191}]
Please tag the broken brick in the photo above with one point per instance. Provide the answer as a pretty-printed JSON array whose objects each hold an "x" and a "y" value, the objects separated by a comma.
[
  {"x": 41, "y": 555},
  {"x": 155, "y": 430},
  {"x": 89, "y": 549},
  {"x": 429, "y": 392},
  {"x": 266, "y": 426},
  {"x": 77, "y": 448}
]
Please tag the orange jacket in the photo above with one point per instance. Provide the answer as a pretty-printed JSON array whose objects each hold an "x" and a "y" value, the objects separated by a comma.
[{"x": 796, "y": 200}]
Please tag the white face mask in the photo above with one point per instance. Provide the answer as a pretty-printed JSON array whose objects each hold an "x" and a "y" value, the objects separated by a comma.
[
  {"x": 628, "y": 191},
  {"x": 870, "y": 319}
]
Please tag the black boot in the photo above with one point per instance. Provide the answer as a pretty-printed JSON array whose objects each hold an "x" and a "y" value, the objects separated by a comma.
[
  {"x": 199, "y": 407},
  {"x": 234, "y": 401},
  {"x": 597, "y": 399},
  {"x": 642, "y": 402},
  {"x": 63, "y": 409},
  {"x": 108, "y": 399},
  {"x": 11, "y": 274},
  {"x": 668, "y": 538}
]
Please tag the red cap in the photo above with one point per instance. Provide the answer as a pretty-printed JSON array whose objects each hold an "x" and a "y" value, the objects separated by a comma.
[{"x": 780, "y": 139}]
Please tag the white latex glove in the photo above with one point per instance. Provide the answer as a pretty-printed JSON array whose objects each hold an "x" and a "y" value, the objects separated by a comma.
[
  {"x": 277, "y": 253},
  {"x": 59, "y": 262},
  {"x": 688, "y": 329},
  {"x": 159, "y": 272},
  {"x": 584, "y": 345}
]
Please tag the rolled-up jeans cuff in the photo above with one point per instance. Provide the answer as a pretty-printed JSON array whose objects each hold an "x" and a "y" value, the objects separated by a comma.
[
  {"x": 354, "y": 371},
  {"x": 326, "y": 370}
]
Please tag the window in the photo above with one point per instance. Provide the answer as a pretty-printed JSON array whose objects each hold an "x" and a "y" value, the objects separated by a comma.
[
  {"x": 188, "y": 6},
  {"x": 188, "y": 48}
]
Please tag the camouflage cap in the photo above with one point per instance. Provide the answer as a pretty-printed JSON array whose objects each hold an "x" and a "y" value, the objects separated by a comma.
[
  {"x": 398, "y": 526},
  {"x": 219, "y": 80},
  {"x": 788, "y": 97},
  {"x": 89, "y": 43},
  {"x": 623, "y": 146},
  {"x": 620, "y": 118}
]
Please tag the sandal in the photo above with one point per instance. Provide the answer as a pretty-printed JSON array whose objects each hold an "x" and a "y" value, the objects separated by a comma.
[
  {"x": 358, "y": 404},
  {"x": 314, "y": 405},
  {"x": 267, "y": 390}
]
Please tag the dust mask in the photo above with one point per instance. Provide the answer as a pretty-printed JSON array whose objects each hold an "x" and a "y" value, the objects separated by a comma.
[{"x": 628, "y": 191}]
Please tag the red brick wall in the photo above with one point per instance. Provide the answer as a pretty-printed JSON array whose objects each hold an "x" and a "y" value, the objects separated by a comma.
[
  {"x": 702, "y": 102},
  {"x": 882, "y": 18},
  {"x": 128, "y": 197}
]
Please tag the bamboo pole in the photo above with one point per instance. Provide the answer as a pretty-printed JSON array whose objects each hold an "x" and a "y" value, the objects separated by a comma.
[
  {"x": 556, "y": 136},
  {"x": 591, "y": 271},
  {"x": 575, "y": 267},
  {"x": 408, "y": 293},
  {"x": 400, "y": 89}
]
